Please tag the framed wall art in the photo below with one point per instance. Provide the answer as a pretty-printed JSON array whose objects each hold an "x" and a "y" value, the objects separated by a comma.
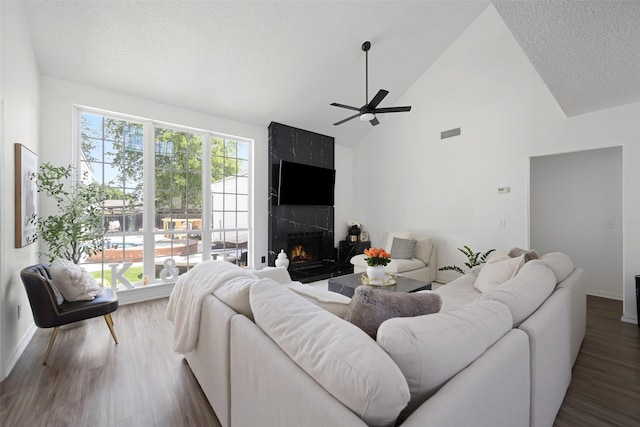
[{"x": 25, "y": 194}]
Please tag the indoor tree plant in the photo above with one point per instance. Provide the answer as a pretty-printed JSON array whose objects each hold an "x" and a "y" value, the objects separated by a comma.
[
  {"x": 76, "y": 229},
  {"x": 474, "y": 258}
]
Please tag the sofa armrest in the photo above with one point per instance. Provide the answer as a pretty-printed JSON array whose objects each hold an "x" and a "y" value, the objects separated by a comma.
[
  {"x": 464, "y": 401},
  {"x": 548, "y": 329}
]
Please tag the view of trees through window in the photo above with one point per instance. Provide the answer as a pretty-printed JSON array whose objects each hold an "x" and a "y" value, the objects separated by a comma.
[{"x": 198, "y": 207}]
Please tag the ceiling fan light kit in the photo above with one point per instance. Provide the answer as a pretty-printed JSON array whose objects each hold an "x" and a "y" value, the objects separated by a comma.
[{"x": 367, "y": 113}]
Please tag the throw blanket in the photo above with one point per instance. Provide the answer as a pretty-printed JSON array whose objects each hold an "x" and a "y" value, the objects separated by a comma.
[{"x": 185, "y": 302}]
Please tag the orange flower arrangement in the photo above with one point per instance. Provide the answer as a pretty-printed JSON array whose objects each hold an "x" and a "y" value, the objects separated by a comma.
[{"x": 377, "y": 256}]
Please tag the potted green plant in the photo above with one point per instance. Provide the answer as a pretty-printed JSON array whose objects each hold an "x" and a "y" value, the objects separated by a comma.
[
  {"x": 473, "y": 259},
  {"x": 76, "y": 229}
]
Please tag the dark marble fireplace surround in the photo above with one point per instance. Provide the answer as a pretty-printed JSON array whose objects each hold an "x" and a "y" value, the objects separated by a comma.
[{"x": 291, "y": 226}]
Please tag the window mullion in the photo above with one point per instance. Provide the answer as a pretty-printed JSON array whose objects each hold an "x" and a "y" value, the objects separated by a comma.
[
  {"x": 148, "y": 199},
  {"x": 206, "y": 196}
]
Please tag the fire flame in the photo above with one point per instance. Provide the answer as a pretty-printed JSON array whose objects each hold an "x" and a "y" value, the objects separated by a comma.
[{"x": 298, "y": 254}]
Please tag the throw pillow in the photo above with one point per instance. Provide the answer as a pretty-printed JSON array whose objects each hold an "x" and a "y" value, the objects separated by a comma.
[
  {"x": 494, "y": 273},
  {"x": 277, "y": 274},
  {"x": 369, "y": 307},
  {"x": 235, "y": 294},
  {"x": 402, "y": 248},
  {"x": 528, "y": 255},
  {"x": 399, "y": 234},
  {"x": 336, "y": 354},
  {"x": 74, "y": 282}
]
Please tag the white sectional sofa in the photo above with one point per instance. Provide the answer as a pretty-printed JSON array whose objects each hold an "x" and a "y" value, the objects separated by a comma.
[
  {"x": 421, "y": 266},
  {"x": 498, "y": 358}
]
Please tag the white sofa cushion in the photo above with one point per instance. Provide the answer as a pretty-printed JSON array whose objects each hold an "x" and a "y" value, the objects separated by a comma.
[
  {"x": 278, "y": 274},
  {"x": 235, "y": 294},
  {"x": 433, "y": 348},
  {"x": 524, "y": 293},
  {"x": 337, "y": 354},
  {"x": 559, "y": 263},
  {"x": 497, "y": 271},
  {"x": 458, "y": 293},
  {"x": 424, "y": 247},
  {"x": 333, "y": 302},
  {"x": 401, "y": 265}
]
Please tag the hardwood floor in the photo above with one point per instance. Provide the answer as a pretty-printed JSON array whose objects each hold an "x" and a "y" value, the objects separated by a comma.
[
  {"x": 89, "y": 381},
  {"x": 605, "y": 385}
]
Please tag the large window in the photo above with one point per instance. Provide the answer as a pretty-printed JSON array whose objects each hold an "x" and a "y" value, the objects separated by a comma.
[{"x": 176, "y": 196}]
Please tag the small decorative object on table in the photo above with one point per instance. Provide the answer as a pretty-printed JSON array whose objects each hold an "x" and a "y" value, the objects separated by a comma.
[
  {"x": 354, "y": 231},
  {"x": 282, "y": 260},
  {"x": 377, "y": 259},
  {"x": 387, "y": 279}
]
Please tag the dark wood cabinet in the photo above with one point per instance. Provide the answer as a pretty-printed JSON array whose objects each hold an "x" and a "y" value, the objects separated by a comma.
[{"x": 347, "y": 250}]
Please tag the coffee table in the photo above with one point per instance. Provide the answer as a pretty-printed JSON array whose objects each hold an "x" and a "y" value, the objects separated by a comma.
[{"x": 345, "y": 285}]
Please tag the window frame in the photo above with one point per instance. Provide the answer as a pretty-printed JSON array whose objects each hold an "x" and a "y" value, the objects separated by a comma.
[{"x": 148, "y": 193}]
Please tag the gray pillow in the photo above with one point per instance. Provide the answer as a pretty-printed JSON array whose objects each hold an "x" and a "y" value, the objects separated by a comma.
[
  {"x": 402, "y": 248},
  {"x": 528, "y": 255},
  {"x": 371, "y": 306}
]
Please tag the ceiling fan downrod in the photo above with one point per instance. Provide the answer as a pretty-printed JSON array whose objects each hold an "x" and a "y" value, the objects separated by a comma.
[{"x": 366, "y": 46}]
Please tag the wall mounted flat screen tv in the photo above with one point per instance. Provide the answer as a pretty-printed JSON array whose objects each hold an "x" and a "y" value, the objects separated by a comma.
[{"x": 301, "y": 184}]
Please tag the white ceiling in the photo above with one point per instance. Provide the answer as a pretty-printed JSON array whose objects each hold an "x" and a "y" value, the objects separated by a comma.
[{"x": 264, "y": 61}]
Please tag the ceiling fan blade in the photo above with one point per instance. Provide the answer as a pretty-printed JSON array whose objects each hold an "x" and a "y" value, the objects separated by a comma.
[
  {"x": 346, "y": 120},
  {"x": 378, "y": 98},
  {"x": 348, "y": 107},
  {"x": 374, "y": 122},
  {"x": 391, "y": 110}
]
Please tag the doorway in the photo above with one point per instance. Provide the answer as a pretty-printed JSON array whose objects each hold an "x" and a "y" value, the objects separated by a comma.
[{"x": 575, "y": 207}]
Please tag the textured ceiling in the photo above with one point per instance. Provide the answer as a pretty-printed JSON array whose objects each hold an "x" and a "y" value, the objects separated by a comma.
[
  {"x": 587, "y": 52},
  {"x": 255, "y": 62},
  {"x": 263, "y": 61}
]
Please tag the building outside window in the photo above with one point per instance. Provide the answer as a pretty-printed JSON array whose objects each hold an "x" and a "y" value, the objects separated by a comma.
[{"x": 175, "y": 197}]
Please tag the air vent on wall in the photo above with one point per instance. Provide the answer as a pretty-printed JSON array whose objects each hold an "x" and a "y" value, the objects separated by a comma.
[{"x": 449, "y": 133}]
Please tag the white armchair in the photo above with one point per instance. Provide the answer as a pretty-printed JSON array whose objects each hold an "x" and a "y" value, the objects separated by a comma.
[{"x": 422, "y": 266}]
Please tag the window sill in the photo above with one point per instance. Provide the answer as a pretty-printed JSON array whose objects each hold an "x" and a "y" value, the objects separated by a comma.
[{"x": 144, "y": 293}]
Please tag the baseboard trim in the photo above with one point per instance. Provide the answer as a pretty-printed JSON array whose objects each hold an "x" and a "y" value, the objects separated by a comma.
[
  {"x": 24, "y": 342},
  {"x": 144, "y": 293},
  {"x": 601, "y": 294},
  {"x": 630, "y": 319}
]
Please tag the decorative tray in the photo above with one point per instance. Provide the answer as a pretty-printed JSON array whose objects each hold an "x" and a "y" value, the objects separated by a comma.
[{"x": 387, "y": 280}]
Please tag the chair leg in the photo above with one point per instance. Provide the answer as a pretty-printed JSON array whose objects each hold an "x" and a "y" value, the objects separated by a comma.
[
  {"x": 109, "y": 320},
  {"x": 54, "y": 334}
]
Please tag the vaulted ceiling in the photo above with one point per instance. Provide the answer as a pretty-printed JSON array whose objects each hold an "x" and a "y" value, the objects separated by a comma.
[{"x": 264, "y": 61}]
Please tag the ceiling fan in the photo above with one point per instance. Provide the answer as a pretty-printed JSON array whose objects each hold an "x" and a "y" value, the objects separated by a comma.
[{"x": 367, "y": 113}]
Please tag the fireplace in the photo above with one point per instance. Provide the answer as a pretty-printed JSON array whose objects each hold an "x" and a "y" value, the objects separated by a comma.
[{"x": 304, "y": 250}]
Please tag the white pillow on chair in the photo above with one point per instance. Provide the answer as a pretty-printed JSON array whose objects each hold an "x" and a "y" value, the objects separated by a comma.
[{"x": 74, "y": 282}]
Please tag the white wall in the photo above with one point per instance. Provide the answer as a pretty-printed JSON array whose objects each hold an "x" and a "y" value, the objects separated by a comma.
[
  {"x": 576, "y": 208},
  {"x": 405, "y": 177},
  {"x": 21, "y": 100},
  {"x": 344, "y": 206}
]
